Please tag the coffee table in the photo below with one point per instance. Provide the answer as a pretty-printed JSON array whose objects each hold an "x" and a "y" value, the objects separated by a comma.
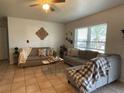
[{"x": 52, "y": 62}]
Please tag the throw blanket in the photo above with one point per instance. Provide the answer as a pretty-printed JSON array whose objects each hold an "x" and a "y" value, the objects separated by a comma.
[
  {"x": 90, "y": 73},
  {"x": 23, "y": 55}
]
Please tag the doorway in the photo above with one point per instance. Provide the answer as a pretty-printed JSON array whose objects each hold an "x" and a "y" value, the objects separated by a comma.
[{"x": 4, "y": 46}]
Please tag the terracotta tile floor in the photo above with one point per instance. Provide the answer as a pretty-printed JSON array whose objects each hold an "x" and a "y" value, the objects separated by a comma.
[{"x": 40, "y": 79}]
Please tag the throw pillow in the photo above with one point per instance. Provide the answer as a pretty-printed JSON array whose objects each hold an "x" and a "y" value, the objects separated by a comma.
[
  {"x": 42, "y": 52},
  {"x": 69, "y": 51},
  {"x": 73, "y": 52},
  {"x": 50, "y": 52}
]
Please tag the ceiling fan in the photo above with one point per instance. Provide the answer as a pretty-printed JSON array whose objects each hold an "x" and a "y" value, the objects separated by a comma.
[{"x": 47, "y": 4}]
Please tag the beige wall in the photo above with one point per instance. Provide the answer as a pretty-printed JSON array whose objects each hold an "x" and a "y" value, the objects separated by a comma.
[
  {"x": 21, "y": 30},
  {"x": 115, "y": 20}
]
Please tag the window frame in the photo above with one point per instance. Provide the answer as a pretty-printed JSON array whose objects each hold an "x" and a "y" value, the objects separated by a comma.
[{"x": 89, "y": 38}]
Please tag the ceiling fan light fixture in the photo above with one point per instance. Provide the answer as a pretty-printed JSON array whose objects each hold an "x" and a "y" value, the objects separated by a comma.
[{"x": 46, "y": 7}]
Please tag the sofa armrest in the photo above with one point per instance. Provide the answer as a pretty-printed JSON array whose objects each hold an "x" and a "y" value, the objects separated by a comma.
[
  {"x": 67, "y": 74},
  {"x": 76, "y": 68},
  {"x": 114, "y": 72}
]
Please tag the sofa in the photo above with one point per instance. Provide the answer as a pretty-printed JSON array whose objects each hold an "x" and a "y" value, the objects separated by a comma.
[
  {"x": 80, "y": 58},
  {"x": 34, "y": 59},
  {"x": 113, "y": 73}
]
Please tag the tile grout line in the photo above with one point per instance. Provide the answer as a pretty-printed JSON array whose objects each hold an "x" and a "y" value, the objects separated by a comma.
[
  {"x": 53, "y": 86},
  {"x": 113, "y": 89},
  {"x": 12, "y": 82},
  {"x": 37, "y": 82},
  {"x": 59, "y": 79},
  {"x": 48, "y": 80},
  {"x": 51, "y": 83},
  {"x": 12, "y": 79},
  {"x": 25, "y": 80},
  {"x": 8, "y": 68}
]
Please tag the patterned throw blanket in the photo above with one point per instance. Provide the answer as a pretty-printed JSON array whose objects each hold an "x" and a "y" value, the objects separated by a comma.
[{"x": 90, "y": 73}]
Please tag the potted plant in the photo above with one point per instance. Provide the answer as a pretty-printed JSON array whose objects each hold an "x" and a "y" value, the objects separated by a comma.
[
  {"x": 16, "y": 52},
  {"x": 54, "y": 53}
]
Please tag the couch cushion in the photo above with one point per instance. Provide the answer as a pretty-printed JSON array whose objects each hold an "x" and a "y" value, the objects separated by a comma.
[
  {"x": 34, "y": 51},
  {"x": 42, "y": 52},
  {"x": 82, "y": 54},
  {"x": 86, "y": 54},
  {"x": 50, "y": 52},
  {"x": 73, "y": 52},
  {"x": 74, "y": 61},
  {"x": 91, "y": 54},
  {"x": 30, "y": 58}
]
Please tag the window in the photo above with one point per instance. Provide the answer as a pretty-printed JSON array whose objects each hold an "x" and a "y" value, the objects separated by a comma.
[{"x": 91, "y": 38}]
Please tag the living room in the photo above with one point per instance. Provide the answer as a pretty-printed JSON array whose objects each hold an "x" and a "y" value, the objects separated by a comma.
[{"x": 61, "y": 27}]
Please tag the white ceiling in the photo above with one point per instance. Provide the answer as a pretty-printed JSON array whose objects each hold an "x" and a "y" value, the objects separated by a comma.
[{"x": 65, "y": 12}]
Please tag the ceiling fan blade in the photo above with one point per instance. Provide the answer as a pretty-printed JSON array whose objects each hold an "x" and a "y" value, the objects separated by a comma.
[
  {"x": 33, "y": 5},
  {"x": 58, "y": 1}
]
